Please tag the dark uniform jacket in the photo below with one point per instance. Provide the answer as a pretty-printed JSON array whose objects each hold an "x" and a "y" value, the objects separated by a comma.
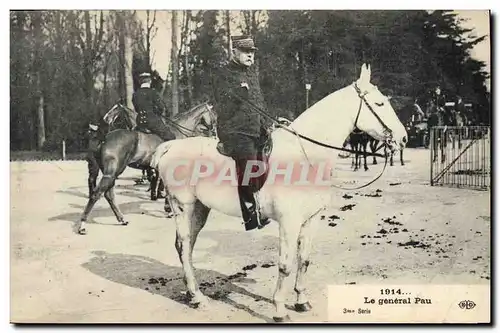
[
  {"x": 233, "y": 86},
  {"x": 146, "y": 101}
]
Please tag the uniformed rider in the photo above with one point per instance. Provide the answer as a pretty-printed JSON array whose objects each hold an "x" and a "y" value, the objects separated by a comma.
[
  {"x": 150, "y": 108},
  {"x": 240, "y": 128}
]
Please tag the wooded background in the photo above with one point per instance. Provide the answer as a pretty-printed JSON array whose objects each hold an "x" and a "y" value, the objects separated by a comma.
[{"x": 68, "y": 68}]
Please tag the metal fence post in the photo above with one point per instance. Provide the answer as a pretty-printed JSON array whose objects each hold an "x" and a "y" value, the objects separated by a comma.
[{"x": 431, "y": 146}]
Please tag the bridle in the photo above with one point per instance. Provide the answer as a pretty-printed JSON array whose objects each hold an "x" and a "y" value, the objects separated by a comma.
[{"x": 387, "y": 131}]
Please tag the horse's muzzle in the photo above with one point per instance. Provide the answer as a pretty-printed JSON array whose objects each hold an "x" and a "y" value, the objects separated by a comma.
[{"x": 392, "y": 145}]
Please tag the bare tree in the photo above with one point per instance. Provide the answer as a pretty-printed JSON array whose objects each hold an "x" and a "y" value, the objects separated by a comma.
[
  {"x": 228, "y": 32},
  {"x": 125, "y": 81},
  {"x": 129, "y": 80},
  {"x": 92, "y": 47},
  {"x": 150, "y": 33},
  {"x": 185, "y": 47},
  {"x": 252, "y": 19},
  {"x": 37, "y": 67},
  {"x": 175, "y": 66}
]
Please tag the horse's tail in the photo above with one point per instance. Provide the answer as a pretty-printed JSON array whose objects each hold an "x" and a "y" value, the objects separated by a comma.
[{"x": 159, "y": 152}]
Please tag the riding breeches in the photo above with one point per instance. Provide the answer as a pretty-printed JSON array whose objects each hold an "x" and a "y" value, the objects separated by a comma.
[{"x": 244, "y": 149}]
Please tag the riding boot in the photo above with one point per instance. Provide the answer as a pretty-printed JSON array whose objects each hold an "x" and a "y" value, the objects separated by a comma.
[
  {"x": 248, "y": 203},
  {"x": 248, "y": 207}
]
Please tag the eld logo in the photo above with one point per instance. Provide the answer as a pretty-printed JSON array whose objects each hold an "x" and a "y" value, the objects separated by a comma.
[{"x": 467, "y": 305}]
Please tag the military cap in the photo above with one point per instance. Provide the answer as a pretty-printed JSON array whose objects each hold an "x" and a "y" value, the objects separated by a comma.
[{"x": 243, "y": 43}]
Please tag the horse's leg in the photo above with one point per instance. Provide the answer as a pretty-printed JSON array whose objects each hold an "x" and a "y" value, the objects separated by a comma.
[
  {"x": 105, "y": 183},
  {"x": 110, "y": 197},
  {"x": 149, "y": 177},
  {"x": 289, "y": 233},
  {"x": 353, "y": 160},
  {"x": 304, "y": 248},
  {"x": 189, "y": 222},
  {"x": 364, "y": 155},
  {"x": 110, "y": 172},
  {"x": 159, "y": 188},
  {"x": 356, "y": 154},
  {"x": 168, "y": 207},
  {"x": 93, "y": 169},
  {"x": 153, "y": 183},
  {"x": 373, "y": 147},
  {"x": 401, "y": 157}
]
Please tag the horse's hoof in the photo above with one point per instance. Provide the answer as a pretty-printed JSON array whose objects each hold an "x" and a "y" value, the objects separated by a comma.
[
  {"x": 124, "y": 223},
  {"x": 285, "y": 319},
  {"x": 82, "y": 231},
  {"x": 199, "y": 303},
  {"x": 304, "y": 307}
]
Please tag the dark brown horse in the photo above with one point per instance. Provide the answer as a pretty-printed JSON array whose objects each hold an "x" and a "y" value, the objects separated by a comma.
[
  {"x": 359, "y": 142},
  {"x": 127, "y": 147}
]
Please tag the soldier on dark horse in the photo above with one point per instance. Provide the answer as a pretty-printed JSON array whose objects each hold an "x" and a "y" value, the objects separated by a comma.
[
  {"x": 241, "y": 130},
  {"x": 111, "y": 151},
  {"x": 150, "y": 107}
]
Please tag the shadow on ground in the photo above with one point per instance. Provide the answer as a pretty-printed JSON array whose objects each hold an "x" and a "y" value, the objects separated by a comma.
[
  {"x": 157, "y": 278},
  {"x": 133, "y": 191},
  {"x": 100, "y": 212}
]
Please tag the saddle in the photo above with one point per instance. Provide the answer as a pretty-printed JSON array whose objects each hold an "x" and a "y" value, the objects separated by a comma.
[
  {"x": 248, "y": 195},
  {"x": 143, "y": 130},
  {"x": 264, "y": 151}
]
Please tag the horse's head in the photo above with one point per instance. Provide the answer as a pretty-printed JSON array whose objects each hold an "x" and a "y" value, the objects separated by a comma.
[
  {"x": 120, "y": 112},
  {"x": 200, "y": 119},
  {"x": 376, "y": 115}
]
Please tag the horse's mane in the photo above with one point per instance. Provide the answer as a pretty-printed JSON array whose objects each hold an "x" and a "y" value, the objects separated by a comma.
[{"x": 188, "y": 113}]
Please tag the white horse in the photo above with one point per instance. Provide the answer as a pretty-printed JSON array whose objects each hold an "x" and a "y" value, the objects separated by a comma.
[{"x": 329, "y": 121}]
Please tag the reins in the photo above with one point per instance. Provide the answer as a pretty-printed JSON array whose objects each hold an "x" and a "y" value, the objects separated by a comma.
[
  {"x": 387, "y": 130},
  {"x": 181, "y": 128},
  {"x": 292, "y": 131}
]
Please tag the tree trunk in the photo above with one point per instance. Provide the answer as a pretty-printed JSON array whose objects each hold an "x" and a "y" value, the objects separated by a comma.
[
  {"x": 122, "y": 88},
  {"x": 40, "y": 116},
  {"x": 175, "y": 66},
  {"x": 186, "y": 58},
  {"x": 129, "y": 81},
  {"x": 228, "y": 32},
  {"x": 87, "y": 70},
  {"x": 37, "y": 66},
  {"x": 150, "y": 23},
  {"x": 255, "y": 23}
]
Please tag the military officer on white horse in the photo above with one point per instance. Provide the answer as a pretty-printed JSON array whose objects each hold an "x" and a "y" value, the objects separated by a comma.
[{"x": 241, "y": 130}]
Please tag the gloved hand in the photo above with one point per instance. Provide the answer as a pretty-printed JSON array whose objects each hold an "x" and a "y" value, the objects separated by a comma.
[{"x": 284, "y": 121}]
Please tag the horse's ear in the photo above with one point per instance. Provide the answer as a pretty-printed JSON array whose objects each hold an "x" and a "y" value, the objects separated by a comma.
[
  {"x": 369, "y": 71},
  {"x": 364, "y": 76}
]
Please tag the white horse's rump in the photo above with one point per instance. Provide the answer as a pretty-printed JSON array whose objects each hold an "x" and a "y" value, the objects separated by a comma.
[{"x": 293, "y": 206}]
